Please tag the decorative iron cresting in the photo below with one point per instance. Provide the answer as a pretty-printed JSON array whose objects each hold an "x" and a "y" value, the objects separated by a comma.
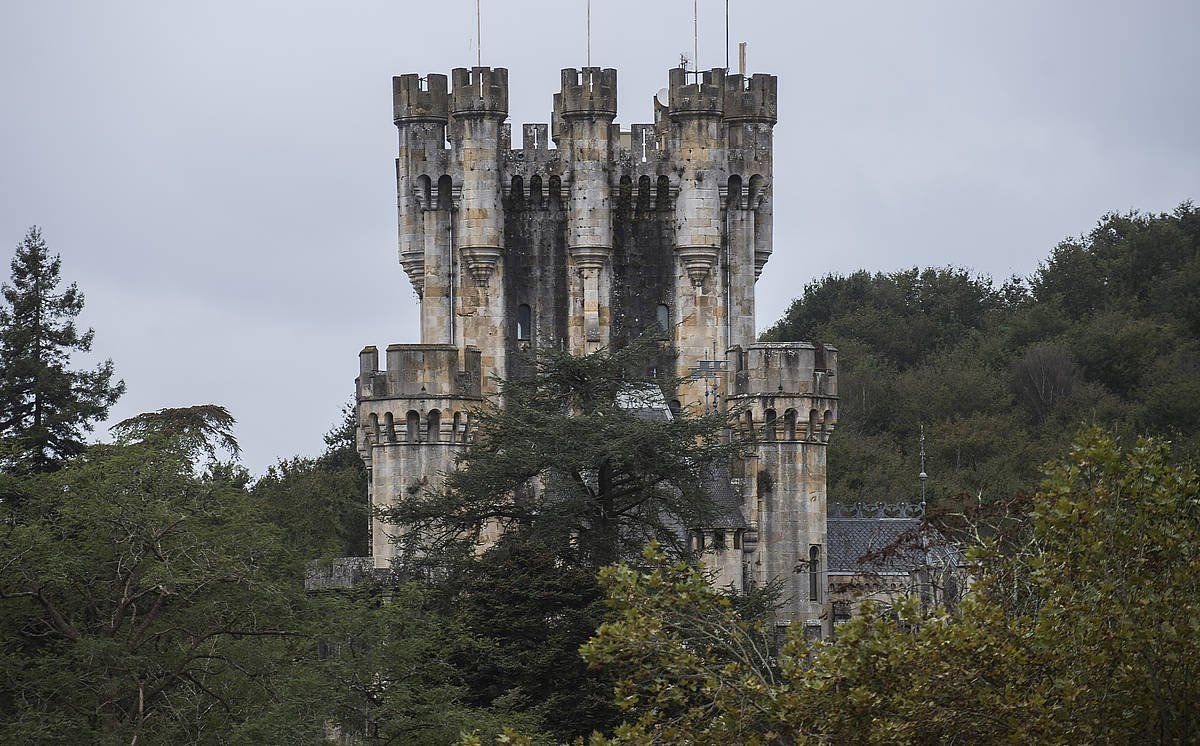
[{"x": 863, "y": 510}]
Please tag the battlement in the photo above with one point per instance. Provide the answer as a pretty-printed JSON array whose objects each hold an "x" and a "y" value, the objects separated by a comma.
[
  {"x": 751, "y": 99},
  {"x": 479, "y": 91},
  {"x": 417, "y": 99},
  {"x": 590, "y": 92},
  {"x": 535, "y": 136},
  {"x": 419, "y": 371},
  {"x": 695, "y": 93},
  {"x": 775, "y": 368}
]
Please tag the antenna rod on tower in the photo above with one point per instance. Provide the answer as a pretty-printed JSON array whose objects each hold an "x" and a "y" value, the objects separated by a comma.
[
  {"x": 922, "y": 476},
  {"x": 696, "y": 36},
  {"x": 727, "y": 36},
  {"x": 478, "y": 37},
  {"x": 589, "y": 33}
]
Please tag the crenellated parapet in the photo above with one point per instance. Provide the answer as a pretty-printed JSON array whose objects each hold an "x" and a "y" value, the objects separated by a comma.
[
  {"x": 420, "y": 99},
  {"x": 750, "y": 99},
  {"x": 420, "y": 371},
  {"x": 479, "y": 91},
  {"x": 787, "y": 391},
  {"x": 423, "y": 395},
  {"x": 589, "y": 92},
  {"x": 695, "y": 93}
]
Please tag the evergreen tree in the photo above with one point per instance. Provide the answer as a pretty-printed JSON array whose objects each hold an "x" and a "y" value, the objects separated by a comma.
[{"x": 45, "y": 407}]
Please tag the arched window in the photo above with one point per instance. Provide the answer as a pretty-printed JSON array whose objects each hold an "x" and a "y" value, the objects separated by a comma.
[
  {"x": 663, "y": 317},
  {"x": 733, "y": 197},
  {"x": 412, "y": 426},
  {"x": 456, "y": 422},
  {"x": 555, "y": 191},
  {"x": 769, "y": 419},
  {"x": 812, "y": 424},
  {"x": 445, "y": 193},
  {"x": 425, "y": 191},
  {"x": 535, "y": 190},
  {"x": 750, "y": 422},
  {"x": 433, "y": 425},
  {"x": 663, "y": 198},
  {"x": 524, "y": 323},
  {"x": 756, "y": 187},
  {"x": 625, "y": 191},
  {"x": 643, "y": 198},
  {"x": 516, "y": 194},
  {"x": 789, "y": 424},
  {"x": 375, "y": 426},
  {"x": 814, "y": 573},
  {"x": 676, "y": 407},
  {"x": 389, "y": 425}
]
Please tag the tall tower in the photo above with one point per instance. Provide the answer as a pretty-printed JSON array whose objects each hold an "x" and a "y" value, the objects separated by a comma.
[{"x": 586, "y": 237}]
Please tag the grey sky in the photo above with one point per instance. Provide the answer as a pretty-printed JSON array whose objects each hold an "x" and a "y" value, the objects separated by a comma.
[{"x": 218, "y": 175}]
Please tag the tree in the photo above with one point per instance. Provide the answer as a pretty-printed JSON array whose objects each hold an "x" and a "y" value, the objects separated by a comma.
[
  {"x": 1099, "y": 645},
  {"x": 579, "y": 468},
  {"x": 1105, "y": 331},
  {"x": 155, "y": 604},
  {"x": 321, "y": 503},
  {"x": 582, "y": 450},
  {"x": 45, "y": 407},
  {"x": 385, "y": 671},
  {"x": 528, "y": 603}
]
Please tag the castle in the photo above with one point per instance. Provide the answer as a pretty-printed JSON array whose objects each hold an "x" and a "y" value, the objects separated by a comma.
[{"x": 585, "y": 237}]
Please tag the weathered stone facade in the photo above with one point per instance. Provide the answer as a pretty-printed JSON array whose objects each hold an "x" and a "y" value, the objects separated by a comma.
[{"x": 586, "y": 237}]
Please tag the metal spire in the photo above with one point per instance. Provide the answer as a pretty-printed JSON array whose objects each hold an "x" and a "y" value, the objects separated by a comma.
[{"x": 922, "y": 476}]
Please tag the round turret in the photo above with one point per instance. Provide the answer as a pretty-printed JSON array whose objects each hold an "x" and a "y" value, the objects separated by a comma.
[
  {"x": 751, "y": 99},
  {"x": 479, "y": 91},
  {"x": 695, "y": 93},
  {"x": 419, "y": 99}
]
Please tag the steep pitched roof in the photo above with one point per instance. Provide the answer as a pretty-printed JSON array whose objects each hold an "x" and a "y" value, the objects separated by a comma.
[
  {"x": 728, "y": 499},
  {"x": 865, "y": 538}
]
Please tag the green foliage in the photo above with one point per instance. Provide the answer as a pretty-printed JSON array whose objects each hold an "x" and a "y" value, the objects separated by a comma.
[
  {"x": 138, "y": 601},
  {"x": 321, "y": 503},
  {"x": 204, "y": 428},
  {"x": 385, "y": 670},
  {"x": 573, "y": 453},
  {"x": 528, "y": 603},
  {"x": 1100, "y": 644},
  {"x": 580, "y": 467},
  {"x": 45, "y": 407},
  {"x": 1106, "y": 331}
]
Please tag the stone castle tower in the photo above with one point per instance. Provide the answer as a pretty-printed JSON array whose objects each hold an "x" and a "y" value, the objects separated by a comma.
[{"x": 585, "y": 237}]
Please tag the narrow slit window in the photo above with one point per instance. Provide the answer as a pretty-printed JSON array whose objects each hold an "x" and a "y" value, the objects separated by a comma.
[
  {"x": 663, "y": 317},
  {"x": 814, "y": 573},
  {"x": 524, "y": 322}
]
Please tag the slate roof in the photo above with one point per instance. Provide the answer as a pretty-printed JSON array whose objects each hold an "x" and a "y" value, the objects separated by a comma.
[
  {"x": 857, "y": 532},
  {"x": 728, "y": 499}
]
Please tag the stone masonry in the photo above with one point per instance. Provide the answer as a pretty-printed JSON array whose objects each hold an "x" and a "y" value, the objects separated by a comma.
[{"x": 585, "y": 237}]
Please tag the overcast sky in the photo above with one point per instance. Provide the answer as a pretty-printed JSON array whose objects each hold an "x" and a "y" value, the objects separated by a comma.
[{"x": 218, "y": 176}]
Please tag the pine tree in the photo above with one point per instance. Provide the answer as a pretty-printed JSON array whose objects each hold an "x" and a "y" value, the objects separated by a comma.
[{"x": 45, "y": 407}]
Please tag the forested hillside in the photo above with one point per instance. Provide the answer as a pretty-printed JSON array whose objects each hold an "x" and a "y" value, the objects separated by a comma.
[{"x": 1106, "y": 331}]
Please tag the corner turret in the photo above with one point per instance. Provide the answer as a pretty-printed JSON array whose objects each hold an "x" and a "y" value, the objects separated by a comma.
[
  {"x": 417, "y": 99},
  {"x": 591, "y": 91},
  {"x": 480, "y": 91},
  {"x": 751, "y": 99},
  {"x": 695, "y": 93}
]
